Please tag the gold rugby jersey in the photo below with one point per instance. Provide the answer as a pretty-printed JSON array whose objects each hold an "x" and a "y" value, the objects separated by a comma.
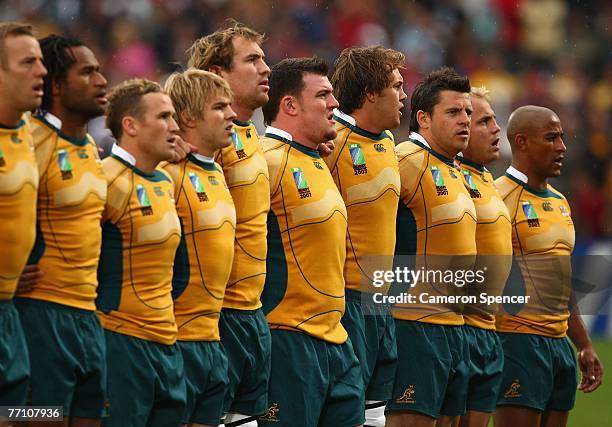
[
  {"x": 365, "y": 170},
  {"x": 204, "y": 257},
  {"x": 140, "y": 235},
  {"x": 71, "y": 198},
  {"x": 543, "y": 238},
  {"x": 493, "y": 242},
  {"x": 18, "y": 186},
  {"x": 436, "y": 221},
  {"x": 307, "y": 223},
  {"x": 246, "y": 175}
]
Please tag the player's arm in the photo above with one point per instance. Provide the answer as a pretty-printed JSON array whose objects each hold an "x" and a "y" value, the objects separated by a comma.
[{"x": 588, "y": 360}]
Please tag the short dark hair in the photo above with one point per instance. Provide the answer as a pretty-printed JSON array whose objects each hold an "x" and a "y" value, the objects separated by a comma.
[
  {"x": 287, "y": 78},
  {"x": 125, "y": 99},
  {"x": 58, "y": 58},
  {"x": 427, "y": 92},
  {"x": 361, "y": 70}
]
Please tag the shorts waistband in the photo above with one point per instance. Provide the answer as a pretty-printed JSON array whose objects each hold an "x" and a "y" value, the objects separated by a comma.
[
  {"x": 6, "y": 304},
  {"x": 237, "y": 311}
]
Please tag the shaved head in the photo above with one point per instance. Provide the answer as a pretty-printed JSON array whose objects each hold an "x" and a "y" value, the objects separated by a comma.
[{"x": 527, "y": 119}]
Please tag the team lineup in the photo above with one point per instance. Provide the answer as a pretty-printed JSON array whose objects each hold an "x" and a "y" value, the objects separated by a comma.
[{"x": 205, "y": 275}]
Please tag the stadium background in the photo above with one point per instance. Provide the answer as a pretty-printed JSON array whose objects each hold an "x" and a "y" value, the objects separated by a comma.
[{"x": 555, "y": 53}]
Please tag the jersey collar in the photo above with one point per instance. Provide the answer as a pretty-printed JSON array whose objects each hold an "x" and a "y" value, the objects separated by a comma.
[
  {"x": 514, "y": 172},
  {"x": 287, "y": 138},
  {"x": 123, "y": 155}
]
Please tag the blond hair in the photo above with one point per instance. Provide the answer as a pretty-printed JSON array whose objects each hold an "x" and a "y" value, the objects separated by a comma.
[
  {"x": 191, "y": 90},
  {"x": 125, "y": 99},
  {"x": 12, "y": 29},
  {"x": 481, "y": 92},
  {"x": 217, "y": 49}
]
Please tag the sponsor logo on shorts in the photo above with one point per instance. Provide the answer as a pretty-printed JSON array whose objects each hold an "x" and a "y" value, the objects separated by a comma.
[
  {"x": 271, "y": 415},
  {"x": 408, "y": 396},
  {"x": 513, "y": 390}
]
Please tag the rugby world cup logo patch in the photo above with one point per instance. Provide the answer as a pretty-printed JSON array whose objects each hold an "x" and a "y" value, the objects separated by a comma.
[
  {"x": 143, "y": 200},
  {"x": 237, "y": 143},
  {"x": 438, "y": 179},
  {"x": 2, "y": 161},
  {"x": 359, "y": 164},
  {"x": 301, "y": 183},
  {"x": 469, "y": 179},
  {"x": 530, "y": 214},
  {"x": 197, "y": 186},
  {"x": 63, "y": 161}
]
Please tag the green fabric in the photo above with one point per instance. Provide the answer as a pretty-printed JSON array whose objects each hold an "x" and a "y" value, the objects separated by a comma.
[
  {"x": 372, "y": 332},
  {"x": 486, "y": 363},
  {"x": 245, "y": 336},
  {"x": 432, "y": 375},
  {"x": 68, "y": 357},
  {"x": 313, "y": 383},
  {"x": 206, "y": 381},
  {"x": 146, "y": 383},
  {"x": 539, "y": 372},
  {"x": 14, "y": 360}
]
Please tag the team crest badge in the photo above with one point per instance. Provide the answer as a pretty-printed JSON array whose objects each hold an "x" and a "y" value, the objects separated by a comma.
[
  {"x": 438, "y": 179},
  {"x": 513, "y": 390},
  {"x": 531, "y": 215},
  {"x": 63, "y": 161},
  {"x": 143, "y": 200},
  {"x": 408, "y": 396},
  {"x": 197, "y": 186},
  {"x": 248, "y": 133},
  {"x": 301, "y": 183},
  {"x": 213, "y": 180},
  {"x": 2, "y": 161},
  {"x": 469, "y": 179},
  {"x": 318, "y": 165},
  {"x": 547, "y": 206},
  {"x": 238, "y": 145},
  {"x": 359, "y": 164},
  {"x": 272, "y": 413},
  {"x": 380, "y": 148},
  {"x": 15, "y": 139}
]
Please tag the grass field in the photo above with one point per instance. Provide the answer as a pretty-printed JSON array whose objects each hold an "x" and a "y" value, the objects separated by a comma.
[{"x": 594, "y": 409}]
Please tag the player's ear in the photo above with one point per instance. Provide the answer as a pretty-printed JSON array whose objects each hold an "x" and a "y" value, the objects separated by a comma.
[
  {"x": 520, "y": 142},
  {"x": 289, "y": 105},
  {"x": 371, "y": 96},
  {"x": 217, "y": 70},
  {"x": 129, "y": 126},
  {"x": 423, "y": 119},
  {"x": 56, "y": 88}
]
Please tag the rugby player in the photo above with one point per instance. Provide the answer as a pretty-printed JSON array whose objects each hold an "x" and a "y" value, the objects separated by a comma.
[
  {"x": 315, "y": 378},
  {"x": 369, "y": 88},
  {"x": 539, "y": 379},
  {"x": 494, "y": 246},
  {"x": 436, "y": 217},
  {"x": 140, "y": 235},
  {"x": 60, "y": 304},
  {"x": 208, "y": 220},
  {"x": 235, "y": 54},
  {"x": 21, "y": 89}
]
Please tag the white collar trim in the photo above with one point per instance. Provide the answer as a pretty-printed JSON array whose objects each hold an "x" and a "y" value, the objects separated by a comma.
[
  {"x": 347, "y": 118},
  {"x": 204, "y": 159},
  {"x": 279, "y": 132},
  {"x": 420, "y": 138},
  {"x": 517, "y": 174},
  {"x": 122, "y": 153},
  {"x": 53, "y": 120}
]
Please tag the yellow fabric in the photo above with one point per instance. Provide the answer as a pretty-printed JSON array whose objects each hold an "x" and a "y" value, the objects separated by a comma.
[
  {"x": 542, "y": 248},
  {"x": 246, "y": 175},
  {"x": 18, "y": 186},
  {"x": 71, "y": 197},
  {"x": 442, "y": 219},
  {"x": 365, "y": 170},
  {"x": 493, "y": 243},
  {"x": 141, "y": 232},
  {"x": 306, "y": 244},
  {"x": 208, "y": 218}
]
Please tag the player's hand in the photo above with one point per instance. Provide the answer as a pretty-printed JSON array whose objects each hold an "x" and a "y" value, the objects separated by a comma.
[
  {"x": 591, "y": 369},
  {"x": 30, "y": 276},
  {"x": 326, "y": 148},
  {"x": 181, "y": 149}
]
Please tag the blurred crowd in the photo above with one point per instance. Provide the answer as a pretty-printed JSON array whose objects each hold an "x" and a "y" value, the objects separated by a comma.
[{"x": 555, "y": 53}]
